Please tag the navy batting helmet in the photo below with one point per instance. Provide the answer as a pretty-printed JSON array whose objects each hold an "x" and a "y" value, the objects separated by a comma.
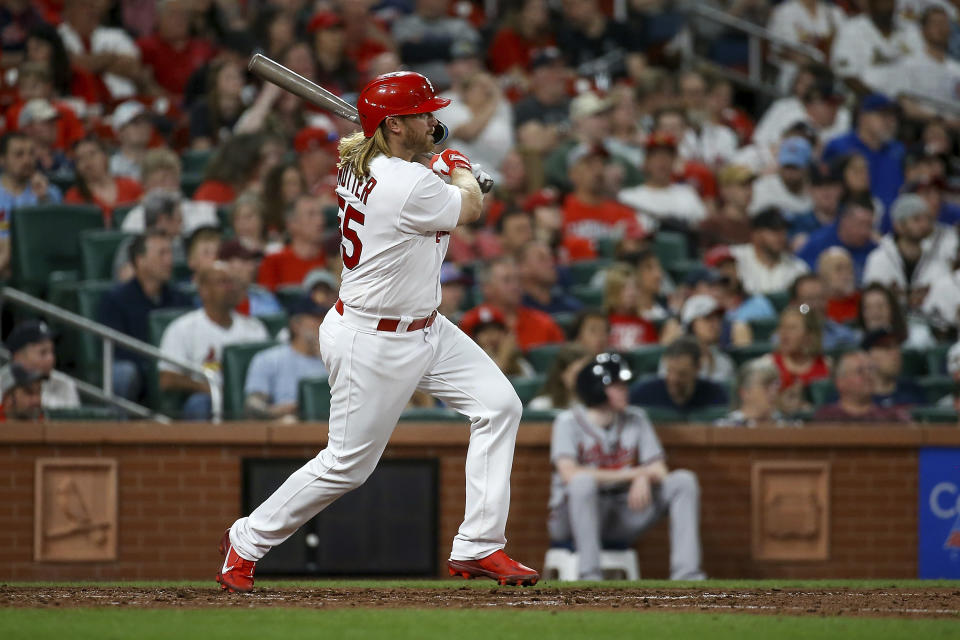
[{"x": 600, "y": 373}]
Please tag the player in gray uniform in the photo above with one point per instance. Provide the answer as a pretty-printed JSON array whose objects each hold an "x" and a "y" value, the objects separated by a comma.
[{"x": 610, "y": 481}]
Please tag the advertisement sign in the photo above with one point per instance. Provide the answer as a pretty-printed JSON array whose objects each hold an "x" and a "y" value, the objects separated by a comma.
[{"x": 939, "y": 513}]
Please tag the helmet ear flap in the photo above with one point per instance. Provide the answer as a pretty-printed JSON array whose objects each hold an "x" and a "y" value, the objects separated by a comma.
[{"x": 440, "y": 133}]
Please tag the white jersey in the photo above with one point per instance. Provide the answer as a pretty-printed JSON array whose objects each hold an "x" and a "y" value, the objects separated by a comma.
[
  {"x": 859, "y": 46},
  {"x": 396, "y": 227}
]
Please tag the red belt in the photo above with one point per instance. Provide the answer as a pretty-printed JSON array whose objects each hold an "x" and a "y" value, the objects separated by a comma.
[{"x": 391, "y": 324}]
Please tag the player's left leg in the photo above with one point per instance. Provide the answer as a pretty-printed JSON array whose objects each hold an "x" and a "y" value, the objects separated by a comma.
[
  {"x": 679, "y": 497},
  {"x": 467, "y": 380}
]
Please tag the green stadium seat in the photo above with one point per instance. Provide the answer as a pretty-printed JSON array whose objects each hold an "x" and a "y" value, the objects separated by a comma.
[
  {"x": 936, "y": 387},
  {"x": 83, "y": 414},
  {"x": 582, "y": 271},
  {"x": 224, "y": 215},
  {"x": 749, "y": 352},
  {"x": 680, "y": 269},
  {"x": 935, "y": 414},
  {"x": 764, "y": 328},
  {"x": 195, "y": 160},
  {"x": 90, "y": 355},
  {"x": 98, "y": 250},
  {"x": 331, "y": 217},
  {"x": 120, "y": 214},
  {"x": 565, "y": 321},
  {"x": 541, "y": 358},
  {"x": 527, "y": 388},
  {"x": 168, "y": 403},
  {"x": 591, "y": 297},
  {"x": 47, "y": 239},
  {"x": 915, "y": 363},
  {"x": 287, "y": 295},
  {"x": 663, "y": 414},
  {"x": 822, "y": 392},
  {"x": 937, "y": 359},
  {"x": 671, "y": 248},
  {"x": 313, "y": 399},
  {"x": 646, "y": 359},
  {"x": 606, "y": 247},
  {"x": 431, "y": 414},
  {"x": 274, "y": 322},
  {"x": 189, "y": 183},
  {"x": 235, "y": 362},
  {"x": 539, "y": 415},
  {"x": 181, "y": 272},
  {"x": 63, "y": 180},
  {"x": 62, "y": 292},
  {"x": 708, "y": 415},
  {"x": 779, "y": 300}
]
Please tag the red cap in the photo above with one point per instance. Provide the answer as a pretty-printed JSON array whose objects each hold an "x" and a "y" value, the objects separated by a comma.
[
  {"x": 542, "y": 198},
  {"x": 323, "y": 20},
  {"x": 660, "y": 140},
  {"x": 484, "y": 314},
  {"x": 312, "y": 138},
  {"x": 717, "y": 255}
]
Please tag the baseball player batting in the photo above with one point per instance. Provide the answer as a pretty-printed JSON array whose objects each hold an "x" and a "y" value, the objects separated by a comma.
[{"x": 384, "y": 339}]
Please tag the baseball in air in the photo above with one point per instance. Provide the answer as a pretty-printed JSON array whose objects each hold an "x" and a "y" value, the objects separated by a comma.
[{"x": 312, "y": 540}]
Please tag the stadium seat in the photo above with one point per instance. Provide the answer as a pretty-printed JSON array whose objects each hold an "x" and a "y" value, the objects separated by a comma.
[
  {"x": 274, "y": 322},
  {"x": 286, "y": 295},
  {"x": 749, "y": 352},
  {"x": 680, "y": 269},
  {"x": 764, "y": 328},
  {"x": 779, "y": 300},
  {"x": 936, "y": 387},
  {"x": 120, "y": 214},
  {"x": 663, "y": 414},
  {"x": 47, "y": 239},
  {"x": 189, "y": 183},
  {"x": 224, "y": 216},
  {"x": 528, "y": 388},
  {"x": 937, "y": 359},
  {"x": 606, "y": 247},
  {"x": 591, "y": 297},
  {"x": 935, "y": 414},
  {"x": 431, "y": 414},
  {"x": 708, "y": 415},
  {"x": 331, "y": 217},
  {"x": 582, "y": 272},
  {"x": 541, "y": 358},
  {"x": 539, "y": 415},
  {"x": 671, "y": 248},
  {"x": 78, "y": 414},
  {"x": 822, "y": 392},
  {"x": 90, "y": 356},
  {"x": 565, "y": 321},
  {"x": 313, "y": 399},
  {"x": 646, "y": 359},
  {"x": 235, "y": 361},
  {"x": 98, "y": 249},
  {"x": 915, "y": 364},
  {"x": 168, "y": 403},
  {"x": 195, "y": 160}
]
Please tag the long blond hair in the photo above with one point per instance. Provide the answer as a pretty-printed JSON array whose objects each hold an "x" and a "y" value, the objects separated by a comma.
[{"x": 356, "y": 151}]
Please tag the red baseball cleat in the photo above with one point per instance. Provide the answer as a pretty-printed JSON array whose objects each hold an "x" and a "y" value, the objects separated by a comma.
[
  {"x": 497, "y": 566},
  {"x": 236, "y": 574}
]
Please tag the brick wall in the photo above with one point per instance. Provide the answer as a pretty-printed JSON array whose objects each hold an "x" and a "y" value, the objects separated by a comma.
[{"x": 179, "y": 487}]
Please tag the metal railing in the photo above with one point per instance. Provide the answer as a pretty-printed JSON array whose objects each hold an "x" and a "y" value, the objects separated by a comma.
[{"x": 111, "y": 337}]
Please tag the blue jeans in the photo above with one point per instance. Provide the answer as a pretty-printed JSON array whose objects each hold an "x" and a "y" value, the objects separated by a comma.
[
  {"x": 198, "y": 407},
  {"x": 127, "y": 379}
]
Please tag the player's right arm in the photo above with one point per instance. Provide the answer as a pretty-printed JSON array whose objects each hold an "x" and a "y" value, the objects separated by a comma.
[{"x": 471, "y": 199}]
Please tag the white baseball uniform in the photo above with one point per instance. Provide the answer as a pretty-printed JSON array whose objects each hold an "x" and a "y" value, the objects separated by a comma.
[{"x": 395, "y": 226}]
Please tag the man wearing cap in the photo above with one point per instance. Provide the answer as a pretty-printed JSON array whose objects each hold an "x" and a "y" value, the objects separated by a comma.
[
  {"x": 917, "y": 253},
  {"x": 170, "y": 51},
  {"x": 39, "y": 119},
  {"x": 31, "y": 346},
  {"x": 731, "y": 223},
  {"x": 242, "y": 263},
  {"x": 659, "y": 199},
  {"x": 826, "y": 189},
  {"x": 35, "y": 81},
  {"x": 787, "y": 189},
  {"x": 875, "y": 139},
  {"x": 304, "y": 221},
  {"x": 741, "y": 307},
  {"x": 890, "y": 389},
  {"x": 133, "y": 128},
  {"x": 853, "y": 231},
  {"x": 22, "y": 391},
  {"x": 322, "y": 287},
  {"x": 425, "y": 36},
  {"x": 588, "y": 212},
  {"x": 765, "y": 265},
  {"x": 126, "y": 308},
  {"x": 854, "y": 380},
  {"x": 275, "y": 373},
  {"x": 873, "y": 38},
  {"x": 548, "y": 102}
]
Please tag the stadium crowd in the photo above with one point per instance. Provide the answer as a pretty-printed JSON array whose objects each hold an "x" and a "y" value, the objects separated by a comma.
[{"x": 776, "y": 251}]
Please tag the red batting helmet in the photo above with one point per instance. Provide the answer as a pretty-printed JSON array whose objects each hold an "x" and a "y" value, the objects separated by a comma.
[{"x": 396, "y": 94}]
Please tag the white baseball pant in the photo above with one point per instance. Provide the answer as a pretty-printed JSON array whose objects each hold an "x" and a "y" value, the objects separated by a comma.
[{"x": 372, "y": 377}]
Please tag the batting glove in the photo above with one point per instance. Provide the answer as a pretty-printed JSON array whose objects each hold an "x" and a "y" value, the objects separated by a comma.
[
  {"x": 483, "y": 178},
  {"x": 444, "y": 163}
]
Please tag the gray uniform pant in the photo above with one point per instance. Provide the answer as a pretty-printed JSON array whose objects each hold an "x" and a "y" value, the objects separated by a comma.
[{"x": 589, "y": 515}]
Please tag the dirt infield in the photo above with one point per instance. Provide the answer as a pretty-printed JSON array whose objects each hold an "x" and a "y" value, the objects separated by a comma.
[{"x": 910, "y": 602}]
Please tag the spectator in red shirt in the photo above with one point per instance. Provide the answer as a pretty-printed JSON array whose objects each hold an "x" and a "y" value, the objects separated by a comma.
[
  {"x": 34, "y": 81},
  {"x": 628, "y": 329},
  {"x": 170, "y": 51},
  {"x": 501, "y": 290},
  {"x": 45, "y": 46},
  {"x": 544, "y": 205},
  {"x": 303, "y": 253},
  {"x": 588, "y": 212},
  {"x": 233, "y": 167},
  {"x": 95, "y": 185},
  {"x": 854, "y": 382},
  {"x": 798, "y": 356},
  {"x": 525, "y": 29},
  {"x": 835, "y": 268}
]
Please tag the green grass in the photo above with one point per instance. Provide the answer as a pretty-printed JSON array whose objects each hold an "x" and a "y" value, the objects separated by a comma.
[
  {"x": 486, "y": 584},
  {"x": 401, "y": 624}
]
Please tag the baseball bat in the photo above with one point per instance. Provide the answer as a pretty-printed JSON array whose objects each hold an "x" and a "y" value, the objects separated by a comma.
[{"x": 285, "y": 78}]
